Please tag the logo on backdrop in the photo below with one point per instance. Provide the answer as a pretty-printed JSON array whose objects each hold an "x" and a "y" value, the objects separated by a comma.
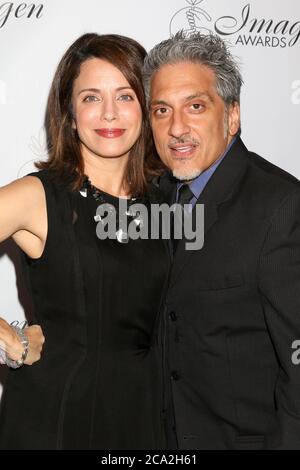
[
  {"x": 38, "y": 147},
  {"x": 10, "y": 10},
  {"x": 191, "y": 19},
  {"x": 295, "y": 98},
  {"x": 244, "y": 29},
  {"x": 38, "y": 144}
]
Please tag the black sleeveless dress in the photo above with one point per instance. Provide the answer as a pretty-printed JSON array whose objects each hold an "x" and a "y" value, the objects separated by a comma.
[{"x": 98, "y": 384}]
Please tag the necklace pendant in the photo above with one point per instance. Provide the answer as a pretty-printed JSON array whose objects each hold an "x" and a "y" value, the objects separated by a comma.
[
  {"x": 83, "y": 192},
  {"x": 138, "y": 222},
  {"x": 122, "y": 236}
]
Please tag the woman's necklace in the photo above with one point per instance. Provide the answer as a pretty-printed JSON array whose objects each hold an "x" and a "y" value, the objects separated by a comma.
[{"x": 120, "y": 207}]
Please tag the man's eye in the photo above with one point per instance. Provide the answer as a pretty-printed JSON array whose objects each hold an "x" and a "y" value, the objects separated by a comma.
[
  {"x": 90, "y": 98},
  {"x": 160, "y": 111},
  {"x": 197, "y": 106}
]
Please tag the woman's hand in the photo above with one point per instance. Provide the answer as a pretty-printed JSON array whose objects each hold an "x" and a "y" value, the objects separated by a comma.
[
  {"x": 36, "y": 340},
  {"x": 11, "y": 344}
]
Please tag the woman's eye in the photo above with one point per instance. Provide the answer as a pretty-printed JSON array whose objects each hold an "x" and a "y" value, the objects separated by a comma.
[
  {"x": 90, "y": 98},
  {"x": 126, "y": 98}
]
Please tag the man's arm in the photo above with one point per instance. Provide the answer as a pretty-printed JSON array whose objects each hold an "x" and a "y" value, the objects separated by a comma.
[{"x": 279, "y": 283}]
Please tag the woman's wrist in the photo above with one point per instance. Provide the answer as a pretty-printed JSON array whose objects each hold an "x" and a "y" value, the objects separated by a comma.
[{"x": 15, "y": 364}]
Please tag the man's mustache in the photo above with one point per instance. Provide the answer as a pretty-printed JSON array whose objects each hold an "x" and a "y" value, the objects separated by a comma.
[{"x": 186, "y": 139}]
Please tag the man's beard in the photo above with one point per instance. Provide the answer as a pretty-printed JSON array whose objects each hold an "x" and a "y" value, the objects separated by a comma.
[{"x": 187, "y": 175}]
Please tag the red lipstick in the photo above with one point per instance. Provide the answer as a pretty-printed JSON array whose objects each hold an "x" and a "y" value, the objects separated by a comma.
[{"x": 110, "y": 133}]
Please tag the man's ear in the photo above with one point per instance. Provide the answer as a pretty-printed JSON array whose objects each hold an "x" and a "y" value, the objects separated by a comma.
[{"x": 234, "y": 121}]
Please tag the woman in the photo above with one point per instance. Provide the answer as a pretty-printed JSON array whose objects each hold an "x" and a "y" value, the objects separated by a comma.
[{"x": 97, "y": 385}]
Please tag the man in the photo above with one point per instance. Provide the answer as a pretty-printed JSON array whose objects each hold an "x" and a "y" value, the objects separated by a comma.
[{"x": 232, "y": 310}]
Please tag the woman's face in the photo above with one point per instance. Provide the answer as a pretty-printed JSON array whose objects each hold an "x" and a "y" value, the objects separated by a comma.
[{"x": 106, "y": 111}]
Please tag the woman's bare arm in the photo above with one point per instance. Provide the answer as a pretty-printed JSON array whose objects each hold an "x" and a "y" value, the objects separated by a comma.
[{"x": 23, "y": 215}]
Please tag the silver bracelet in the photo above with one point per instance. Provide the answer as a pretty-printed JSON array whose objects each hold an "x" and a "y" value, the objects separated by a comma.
[{"x": 24, "y": 340}]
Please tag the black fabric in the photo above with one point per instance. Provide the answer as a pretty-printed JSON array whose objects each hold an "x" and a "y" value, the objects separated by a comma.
[
  {"x": 232, "y": 313},
  {"x": 98, "y": 384}
]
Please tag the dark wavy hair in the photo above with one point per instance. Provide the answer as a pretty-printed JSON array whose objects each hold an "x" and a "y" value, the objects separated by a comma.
[{"x": 64, "y": 153}]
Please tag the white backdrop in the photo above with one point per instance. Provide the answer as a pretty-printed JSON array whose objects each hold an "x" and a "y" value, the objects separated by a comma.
[{"x": 265, "y": 36}]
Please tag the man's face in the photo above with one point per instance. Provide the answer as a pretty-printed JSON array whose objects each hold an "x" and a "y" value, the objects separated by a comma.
[{"x": 191, "y": 124}]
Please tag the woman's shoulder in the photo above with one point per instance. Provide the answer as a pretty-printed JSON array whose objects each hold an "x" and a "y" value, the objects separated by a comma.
[
  {"x": 51, "y": 181},
  {"x": 45, "y": 176},
  {"x": 26, "y": 187},
  {"x": 40, "y": 186}
]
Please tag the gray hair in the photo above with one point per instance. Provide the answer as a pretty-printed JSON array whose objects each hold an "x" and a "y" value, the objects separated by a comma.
[{"x": 209, "y": 50}]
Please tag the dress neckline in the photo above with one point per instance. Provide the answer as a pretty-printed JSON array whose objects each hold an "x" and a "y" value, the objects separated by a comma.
[{"x": 103, "y": 196}]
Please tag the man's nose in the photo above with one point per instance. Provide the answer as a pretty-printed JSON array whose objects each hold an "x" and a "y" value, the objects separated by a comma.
[{"x": 178, "y": 125}]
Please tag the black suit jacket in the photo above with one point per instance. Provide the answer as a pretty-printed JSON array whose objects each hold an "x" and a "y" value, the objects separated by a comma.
[{"x": 232, "y": 312}]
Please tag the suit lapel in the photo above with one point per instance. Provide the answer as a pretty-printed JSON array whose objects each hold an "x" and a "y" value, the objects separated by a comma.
[
  {"x": 167, "y": 186},
  {"x": 220, "y": 188}
]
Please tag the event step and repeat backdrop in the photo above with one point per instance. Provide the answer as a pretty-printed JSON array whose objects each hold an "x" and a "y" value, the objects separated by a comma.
[{"x": 265, "y": 36}]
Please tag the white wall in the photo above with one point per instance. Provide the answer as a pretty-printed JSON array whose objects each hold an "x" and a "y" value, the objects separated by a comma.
[{"x": 30, "y": 48}]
